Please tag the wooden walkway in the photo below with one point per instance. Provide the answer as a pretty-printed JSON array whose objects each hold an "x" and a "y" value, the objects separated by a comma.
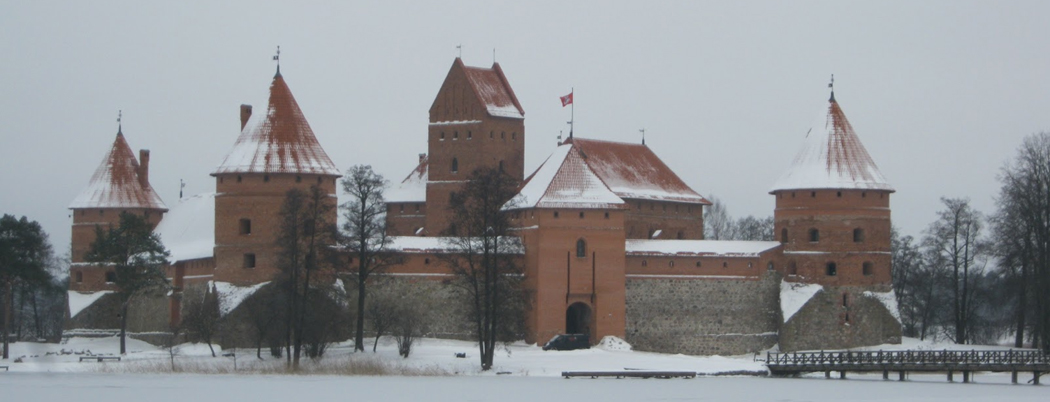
[{"x": 946, "y": 361}]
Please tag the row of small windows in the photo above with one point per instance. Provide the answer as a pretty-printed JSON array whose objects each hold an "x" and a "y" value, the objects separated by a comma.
[
  {"x": 401, "y": 208},
  {"x": 663, "y": 206},
  {"x": 831, "y": 269},
  {"x": 838, "y": 194},
  {"x": 266, "y": 178},
  {"x": 582, "y": 215},
  {"x": 725, "y": 264},
  {"x": 455, "y": 165},
  {"x": 814, "y": 235},
  {"x": 102, "y": 212},
  {"x": 492, "y": 135}
]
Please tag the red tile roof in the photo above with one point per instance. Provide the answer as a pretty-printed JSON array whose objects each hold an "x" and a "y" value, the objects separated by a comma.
[
  {"x": 278, "y": 140},
  {"x": 832, "y": 157},
  {"x": 633, "y": 171},
  {"x": 493, "y": 90},
  {"x": 565, "y": 181},
  {"x": 116, "y": 183}
]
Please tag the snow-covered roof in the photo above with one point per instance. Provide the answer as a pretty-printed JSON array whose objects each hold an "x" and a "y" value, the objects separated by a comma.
[
  {"x": 795, "y": 295},
  {"x": 633, "y": 171},
  {"x": 78, "y": 301},
  {"x": 565, "y": 181},
  {"x": 726, "y": 248},
  {"x": 414, "y": 187},
  {"x": 188, "y": 229},
  {"x": 117, "y": 184},
  {"x": 418, "y": 244},
  {"x": 278, "y": 140},
  {"x": 493, "y": 91},
  {"x": 832, "y": 157}
]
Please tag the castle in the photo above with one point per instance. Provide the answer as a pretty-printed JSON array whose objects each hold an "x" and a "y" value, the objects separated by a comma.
[{"x": 613, "y": 239}]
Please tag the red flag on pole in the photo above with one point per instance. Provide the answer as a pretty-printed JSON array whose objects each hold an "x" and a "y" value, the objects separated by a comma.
[{"x": 566, "y": 100}]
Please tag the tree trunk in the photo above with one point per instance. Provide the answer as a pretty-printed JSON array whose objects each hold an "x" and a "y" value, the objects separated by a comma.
[
  {"x": 124, "y": 326},
  {"x": 5, "y": 323},
  {"x": 359, "y": 339}
]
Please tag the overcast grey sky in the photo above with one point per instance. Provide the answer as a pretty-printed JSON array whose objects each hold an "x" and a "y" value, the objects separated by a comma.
[{"x": 941, "y": 93}]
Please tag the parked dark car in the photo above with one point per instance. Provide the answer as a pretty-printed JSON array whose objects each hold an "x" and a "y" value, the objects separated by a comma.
[{"x": 568, "y": 342}]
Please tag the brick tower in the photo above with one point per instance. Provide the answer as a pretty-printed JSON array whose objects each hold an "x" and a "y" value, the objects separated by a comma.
[
  {"x": 276, "y": 152},
  {"x": 833, "y": 217},
  {"x": 475, "y": 122},
  {"x": 120, "y": 184}
]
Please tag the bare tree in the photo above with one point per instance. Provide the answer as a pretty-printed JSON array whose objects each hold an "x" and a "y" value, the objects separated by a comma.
[
  {"x": 1022, "y": 233},
  {"x": 955, "y": 243},
  {"x": 753, "y": 229},
  {"x": 485, "y": 260},
  {"x": 266, "y": 310},
  {"x": 718, "y": 225},
  {"x": 364, "y": 234},
  {"x": 380, "y": 309},
  {"x": 202, "y": 317},
  {"x": 138, "y": 259},
  {"x": 304, "y": 242}
]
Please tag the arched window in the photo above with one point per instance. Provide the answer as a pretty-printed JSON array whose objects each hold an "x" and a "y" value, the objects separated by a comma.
[
  {"x": 784, "y": 235},
  {"x": 858, "y": 235},
  {"x": 831, "y": 269},
  {"x": 814, "y": 235},
  {"x": 581, "y": 248},
  {"x": 645, "y": 263},
  {"x": 455, "y": 165},
  {"x": 868, "y": 268}
]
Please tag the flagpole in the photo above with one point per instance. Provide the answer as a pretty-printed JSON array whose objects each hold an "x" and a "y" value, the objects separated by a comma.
[{"x": 572, "y": 114}]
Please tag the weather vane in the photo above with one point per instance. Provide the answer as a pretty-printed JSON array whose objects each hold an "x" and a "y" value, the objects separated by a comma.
[
  {"x": 832, "y": 86},
  {"x": 460, "y": 48},
  {"x": 643, "y": 135},
  {"x": 277, "y": 58}
]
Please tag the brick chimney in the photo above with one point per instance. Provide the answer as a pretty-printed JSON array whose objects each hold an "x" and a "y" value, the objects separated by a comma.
[
  {"x": 144, "y": 168},
  {"x": 246, "y": 112}
]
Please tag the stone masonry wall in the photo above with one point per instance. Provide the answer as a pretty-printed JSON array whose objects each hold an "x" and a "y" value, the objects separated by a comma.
[
  {"x": 827, "y": 321},
  {"x": 703, "y": 316}
]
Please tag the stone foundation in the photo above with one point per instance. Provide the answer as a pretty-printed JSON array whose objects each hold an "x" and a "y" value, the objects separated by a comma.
[{"x": 827, "y": 322}]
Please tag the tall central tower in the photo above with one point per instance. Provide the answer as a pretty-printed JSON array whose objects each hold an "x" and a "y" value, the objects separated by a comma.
[
  {"x": 276, "y": 152},
  {"x": 476, "y": 122}
]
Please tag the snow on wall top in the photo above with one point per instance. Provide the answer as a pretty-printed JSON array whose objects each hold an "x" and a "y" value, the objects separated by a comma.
[
  {"x": 832, "y": 157},
  {"x": 888, "y": 299},
  {"x": 493, "y": 91},
  {"x": 231, "y": 296},
  {"x": 188, "y": 229},
  {"x": 419, "y": 244},
  {"x": 795, "y": 295},
  {"x": 78, "y": 301},
  {"x": 633, "y": 171},
  {"x": 278, "y": 141},
  {"x": 728, "y": 248},
  {"x": 564, "y": 181},
  {"x": 414, "y": 187},
  {"x": 116, "y": 183}
]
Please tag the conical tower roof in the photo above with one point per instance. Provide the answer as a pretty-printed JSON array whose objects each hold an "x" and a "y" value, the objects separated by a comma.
[
  {"x": 278, "y": 140},
  {"x": 116, "y": 183},
  {"x": 832, "y": 157}
]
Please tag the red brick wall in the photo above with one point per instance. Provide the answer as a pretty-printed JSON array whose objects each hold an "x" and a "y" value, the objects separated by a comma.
[
  {"x": 255, "y": 198},
  {"x": 675, "y": 220},
  {"x": 404, "y": 218},
  {"x": 93, "y": 277},
  {"x": 835, "y": 214}
]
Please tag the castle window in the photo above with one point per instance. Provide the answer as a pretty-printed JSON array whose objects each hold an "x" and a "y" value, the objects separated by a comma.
[
  {"x": 266, "y": 178},
  {"x": 426, "y": 261},
  {"x": 455, "y": 135},
  {"x": 513, "y": 135},
  {"x": 581, "y": 248},
  {"x": 238, "y": 178},
  {"x": 814, "y": 235},
  {"x": 858, "y": 235},
  {"x": 298, "y": 179},
  {"x": 813, "y": 194},
  {"x": 101, "y": 212},
  {"x": 784, "y": 235},
  {"x": 645, "y": 263},
  {"x": 868, "y": 269},
  {"x": 492, "y": 135},
  {"x": 442, "y": 136},
  {"x": 455, "y": 165},
  {"x": 838, "y": 194},
  {"x": 670, "y": 263},
  {"x": 503, "y": 135},
  {"x": 80, "y": 276},
  {"x": 769, "y": 266},
  {"x": 401, "y": 208},
  {"x": 417, "y": 207},
  {"x": 581, "y": 214},
  {"x": 501, "y": 166},
  {"x": 831, "y": 269},
  {"x": 698, "y": 264},
  {"x": 319, "y": 180},
  {"x": 863, "y": 194},
  {"x": 249, "y": 260},
  {"x": 606, "y": 215},
  {"x": 246, "y": 226},
  {"x": 220, "y": 180},
  {"x": 470, "y": 135},
  {"x": 792, "y": 194},
  {"x": 725, "y": 264},
  {"x": 681, "y": 235},
  {"x": 555, "y": 214},
  {"x": 749, "y": 265},
  {"x": 845, "y": 300},
  {"x": 111, "y": 277},
  {"x": 792, "y": 268}
]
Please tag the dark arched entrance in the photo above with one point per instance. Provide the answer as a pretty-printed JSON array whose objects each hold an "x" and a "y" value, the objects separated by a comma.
[{"x": 578, "y": 319}]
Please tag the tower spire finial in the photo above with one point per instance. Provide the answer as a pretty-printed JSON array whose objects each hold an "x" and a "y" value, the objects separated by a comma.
[
  {"x": 277, "y": 58},
  {"x": 120, "y": 128},
  {"x": 459, "y": 47},
  {"x": 832, "y": 86},
  {"x": 643, "y": 135}
]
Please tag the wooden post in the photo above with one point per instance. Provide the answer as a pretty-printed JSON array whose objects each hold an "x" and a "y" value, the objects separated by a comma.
[
  {"x": 827, "y": 374},
  {"x": 966, "y": 376},
  {"x": 951, "y": 378},
  {"x": 842, "y": 374},
  {"x": 1013, "y": 377},
  {"x": 1035, "y": 377},
  {"x": 885, "y": 374},
  {"x": 901, "y": 375}
]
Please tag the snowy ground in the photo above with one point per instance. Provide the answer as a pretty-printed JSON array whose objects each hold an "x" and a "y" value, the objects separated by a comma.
[{"x": 50, "y": 371}]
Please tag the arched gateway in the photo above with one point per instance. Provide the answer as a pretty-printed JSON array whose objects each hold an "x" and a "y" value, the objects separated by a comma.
[{"x": 578, "y": 319}]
